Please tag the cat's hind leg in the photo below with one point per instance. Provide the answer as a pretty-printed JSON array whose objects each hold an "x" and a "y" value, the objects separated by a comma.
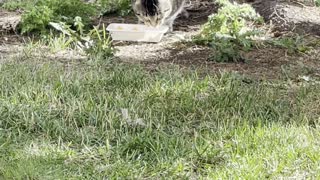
[{"x": 169, "y": 23}]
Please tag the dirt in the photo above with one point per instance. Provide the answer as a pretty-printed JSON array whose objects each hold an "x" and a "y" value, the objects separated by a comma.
[
  {"x": 291, "y": 15},
  {"x": 184, "y": 29},
  {"x": 9, "y": 21},
  {"x": 264, "y": 63}
]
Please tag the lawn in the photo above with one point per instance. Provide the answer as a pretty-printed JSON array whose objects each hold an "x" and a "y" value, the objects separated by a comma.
[
  {"x": 155, "y": 111},
  {"x": 68, "y": 121}
]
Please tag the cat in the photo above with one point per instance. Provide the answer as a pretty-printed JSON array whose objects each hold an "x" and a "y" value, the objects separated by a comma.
[{"x": 156, "y": 13}]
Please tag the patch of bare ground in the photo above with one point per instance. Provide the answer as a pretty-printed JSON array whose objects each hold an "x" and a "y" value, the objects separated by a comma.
[
  {"x": 10, "y": 43},
  {"x": 184, "y": 28},
  {"x": 300, "y": 16},
  {"x": 9, "y": 20},
  {"x": 267, "y": 63},
  {"x": 15, "y": 46},
  {"x": 10, "y": 46}
]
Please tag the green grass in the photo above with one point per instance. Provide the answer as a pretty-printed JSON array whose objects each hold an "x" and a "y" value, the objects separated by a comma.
[{"x": 64, "y": 121}]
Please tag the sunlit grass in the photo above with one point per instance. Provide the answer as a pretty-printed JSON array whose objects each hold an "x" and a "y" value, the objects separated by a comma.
[{"x": 67, "y": 121}]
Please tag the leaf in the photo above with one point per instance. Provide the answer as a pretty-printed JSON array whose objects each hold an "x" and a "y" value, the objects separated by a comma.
[{"x": 62, "y": 28}]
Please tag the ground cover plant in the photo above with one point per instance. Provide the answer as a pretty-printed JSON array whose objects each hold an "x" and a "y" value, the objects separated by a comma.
[
  {"x": 95, "y": 43},
  {"x": 228, "y": 31},
  {"x": 236, "y": 28},
  {"x": 38, "y": 17},
  {"x": 121, "y": 7}
]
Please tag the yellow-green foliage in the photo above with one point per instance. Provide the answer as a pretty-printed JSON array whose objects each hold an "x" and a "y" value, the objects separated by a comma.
[
  {"x": 37, "y": 17},
  {"x": 96, "y": 43},
  {"x": 227, "y": 31}
]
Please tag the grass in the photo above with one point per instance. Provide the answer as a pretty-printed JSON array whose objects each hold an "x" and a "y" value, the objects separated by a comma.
[{"x": 64, "y": 121}]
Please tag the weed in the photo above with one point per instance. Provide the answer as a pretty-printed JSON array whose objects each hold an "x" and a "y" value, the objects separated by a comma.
[
  {"x": 66, "y": 11},
  {"x": 121, "y": 7},
  {"x": 101, "y": 47},
  {"x": 96, "y": 43},
  {"x": 14, "y": 5},
  {"x": 227, "y": 31},
  {"x": 294, "y": 44},
  {"x": 37, "y": 17},
  {"x": 57, "y": 42},
  {"x": 63, "y": 11}
]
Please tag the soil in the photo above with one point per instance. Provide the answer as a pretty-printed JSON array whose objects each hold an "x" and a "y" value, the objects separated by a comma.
[
  {"x": 9, "y": 21},
  {"x": 261, "y": 63},
  {"x": 300, "y": 16}
]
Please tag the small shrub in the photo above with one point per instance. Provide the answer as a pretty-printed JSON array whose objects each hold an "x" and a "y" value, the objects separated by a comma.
[
  {"x": 101, "y": 47},
  {"x": 37, "y": 17},
  {"x": 67, "y": 10},
  {"x": 13, "y": 5},
  {"x": 121, "y": 7},
  {"x": 227, "y": 31}
]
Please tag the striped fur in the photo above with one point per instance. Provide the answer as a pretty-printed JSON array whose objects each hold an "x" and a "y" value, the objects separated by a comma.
[{"x": 158, "y": 12}]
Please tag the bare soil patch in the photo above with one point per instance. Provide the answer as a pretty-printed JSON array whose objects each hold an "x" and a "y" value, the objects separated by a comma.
[
  {"x": 300, "y": 16},
  {"x": 267, "y": 63},
  {"x": 9, "y": 20}
]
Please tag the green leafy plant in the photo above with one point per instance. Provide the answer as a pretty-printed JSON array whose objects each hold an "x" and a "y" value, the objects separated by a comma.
[
  {"x": 56, "y": 42},
  {"x": 295, "y": 44},
  {"x": 96, "y": 43},
  {"x": 101, "y": 46},
  {"x": 12, "y": 5},
  {"x": 228, "y": 31},
  {"x": 121, "y": 7},
  {"x": 68, "y": 10},
  {"x": 37, "y": 17}
]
